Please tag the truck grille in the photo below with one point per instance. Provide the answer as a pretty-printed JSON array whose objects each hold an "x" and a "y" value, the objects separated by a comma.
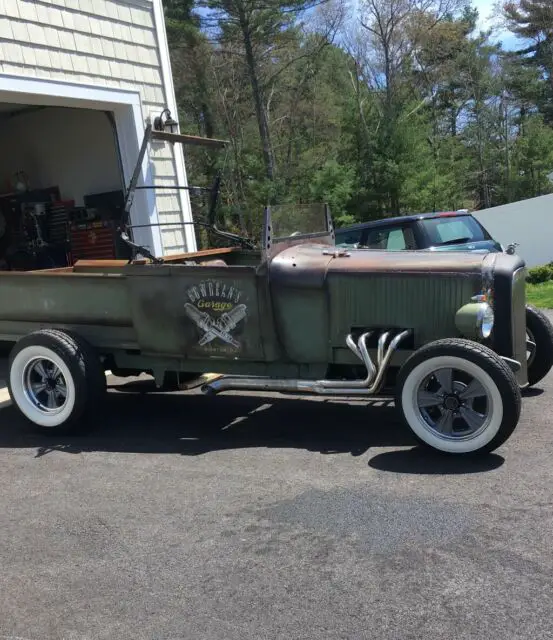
[
  {"x": 519, "y": 319},
  {"x": 509, "y": 293}
]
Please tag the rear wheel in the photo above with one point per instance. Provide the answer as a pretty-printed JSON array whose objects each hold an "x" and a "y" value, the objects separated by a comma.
[
  {"x": 55, "y": 380},
  {"x": 458, "y": 397},
  {"x": 539, "y": 352}
]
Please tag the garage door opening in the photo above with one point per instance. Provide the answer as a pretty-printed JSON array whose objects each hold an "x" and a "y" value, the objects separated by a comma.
[{"x": 61, "y": 186}]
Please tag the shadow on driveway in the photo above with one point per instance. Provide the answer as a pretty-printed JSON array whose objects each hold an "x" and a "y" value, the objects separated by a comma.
[
  {"x": 425, "y": 461},
  {"x": 191, "y": 424}
]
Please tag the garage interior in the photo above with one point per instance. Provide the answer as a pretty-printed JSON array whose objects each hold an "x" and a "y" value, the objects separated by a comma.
[{"x": 61, "y": 187}]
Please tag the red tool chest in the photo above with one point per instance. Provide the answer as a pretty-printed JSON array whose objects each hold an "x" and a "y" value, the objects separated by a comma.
[{"x": 92, "y": 241}]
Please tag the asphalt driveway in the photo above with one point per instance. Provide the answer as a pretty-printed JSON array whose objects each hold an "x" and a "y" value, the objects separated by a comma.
[{"x": 238, "y": 517}]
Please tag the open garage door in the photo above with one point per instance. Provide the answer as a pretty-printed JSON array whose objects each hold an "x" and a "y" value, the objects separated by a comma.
[{"x": 61, "y": 186}]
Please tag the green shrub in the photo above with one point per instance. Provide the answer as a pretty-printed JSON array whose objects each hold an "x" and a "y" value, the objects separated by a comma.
[{"x": 543, "y": 273}]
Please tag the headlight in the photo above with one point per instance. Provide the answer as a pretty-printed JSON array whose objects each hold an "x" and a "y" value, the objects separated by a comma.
[
  {"x": 485, "y": 319},
  {"x": 475, "y": 320}
]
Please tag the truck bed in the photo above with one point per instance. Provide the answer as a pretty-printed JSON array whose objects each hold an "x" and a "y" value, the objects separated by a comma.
[{"x": 132, "y": 307}]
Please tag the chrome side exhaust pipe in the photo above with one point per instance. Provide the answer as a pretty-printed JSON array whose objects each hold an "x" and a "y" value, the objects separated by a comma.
[{"x": 369, "y": 386}]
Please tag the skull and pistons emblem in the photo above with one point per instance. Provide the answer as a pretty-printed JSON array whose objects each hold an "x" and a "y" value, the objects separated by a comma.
[{"x": 216, "y": 310}]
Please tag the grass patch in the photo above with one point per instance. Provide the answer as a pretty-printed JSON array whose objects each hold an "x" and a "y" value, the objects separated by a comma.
[{"x": 540, "y": 295}]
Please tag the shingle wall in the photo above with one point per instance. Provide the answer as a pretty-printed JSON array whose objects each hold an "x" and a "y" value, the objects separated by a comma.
[{"x": 106, "y": 43}]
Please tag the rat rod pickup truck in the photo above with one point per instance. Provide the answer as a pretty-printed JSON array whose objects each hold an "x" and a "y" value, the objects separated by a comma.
[{"x": 443, "y": 334}]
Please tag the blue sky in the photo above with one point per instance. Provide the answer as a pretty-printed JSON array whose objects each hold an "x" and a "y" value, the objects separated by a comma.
[
  {"x": 486, "y": 10},
  {"x": 487, "y": 19},
  {"x": 485, "y": 7}
]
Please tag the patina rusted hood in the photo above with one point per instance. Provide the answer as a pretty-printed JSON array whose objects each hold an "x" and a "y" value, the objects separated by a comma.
[
  {"x": 374, "y": 261},
  {"x": 308, "y": 264}
]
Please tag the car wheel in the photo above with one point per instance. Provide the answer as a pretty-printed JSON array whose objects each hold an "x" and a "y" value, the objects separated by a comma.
[
  {"x": 458, "y": 397},
  {"x": 539, "y": 353},
  {"x": 55, "y": 378}
]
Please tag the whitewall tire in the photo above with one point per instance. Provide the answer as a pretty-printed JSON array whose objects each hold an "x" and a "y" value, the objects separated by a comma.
[
  {"x": 42, "y": 386},
  {"x": 458, "y": 397},
  {"x": 539, "y": 336},
  {"x": 55, "y": 380}
]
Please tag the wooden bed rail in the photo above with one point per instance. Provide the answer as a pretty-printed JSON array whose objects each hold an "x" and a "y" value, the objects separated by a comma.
[{"x": 108, "y": 264}]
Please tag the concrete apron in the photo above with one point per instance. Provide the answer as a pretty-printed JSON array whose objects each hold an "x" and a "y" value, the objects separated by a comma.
[{"x": 4, "y": 395}]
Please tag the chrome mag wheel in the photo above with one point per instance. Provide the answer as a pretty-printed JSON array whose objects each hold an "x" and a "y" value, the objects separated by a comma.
[
  {"x": 454, "y": 404},
  {"x": 45, "y": 385}
]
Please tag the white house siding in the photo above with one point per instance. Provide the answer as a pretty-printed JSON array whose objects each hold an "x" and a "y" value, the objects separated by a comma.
[{"x": 107, "y": 43}]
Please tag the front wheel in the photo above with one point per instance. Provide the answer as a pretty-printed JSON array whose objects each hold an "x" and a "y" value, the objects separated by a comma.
[
  {"x": 458, "y": 397},
  {"x": 539, "y": 350}
]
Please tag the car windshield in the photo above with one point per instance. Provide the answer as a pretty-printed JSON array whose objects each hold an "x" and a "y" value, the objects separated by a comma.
[{"x": 454, "y": 229}]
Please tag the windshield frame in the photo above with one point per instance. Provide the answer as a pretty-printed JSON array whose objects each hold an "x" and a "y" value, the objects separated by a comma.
[{"x": 273, "y": 245}]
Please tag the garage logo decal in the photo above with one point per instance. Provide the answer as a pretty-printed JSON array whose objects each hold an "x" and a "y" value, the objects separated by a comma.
[{"x": 217, "y": 311}]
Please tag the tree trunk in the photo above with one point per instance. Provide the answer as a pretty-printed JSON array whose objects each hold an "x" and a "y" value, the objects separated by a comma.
[
  {"x": 483, "y": 177},
  {"x": 453, "y": 121},
  {"x": 260, "y": 110},
  {"x": 507, "y": 153}
]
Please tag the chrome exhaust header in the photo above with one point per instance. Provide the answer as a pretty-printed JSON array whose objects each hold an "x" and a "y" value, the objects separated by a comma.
[{"x": 369, "y": 386}]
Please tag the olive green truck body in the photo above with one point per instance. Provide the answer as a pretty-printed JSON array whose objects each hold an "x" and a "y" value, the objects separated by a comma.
[
  {"x": 297, "y": 315},
  {"x": 291, "y": 316}
]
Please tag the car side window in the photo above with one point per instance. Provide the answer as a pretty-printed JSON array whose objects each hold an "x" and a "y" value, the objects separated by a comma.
[
  {"x": 349, "y": 237},
  {"x": 377, "y": 238},
  {"x": 396, "y": 240},
  {"x": 391, "y": 238}
]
